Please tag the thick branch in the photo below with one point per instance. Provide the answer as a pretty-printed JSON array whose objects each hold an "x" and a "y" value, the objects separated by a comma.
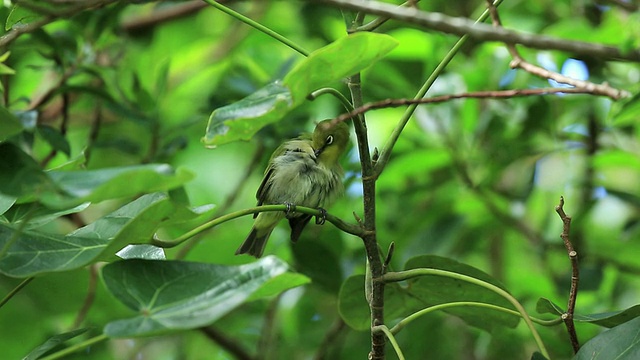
[{"x": 484, "y": 32}]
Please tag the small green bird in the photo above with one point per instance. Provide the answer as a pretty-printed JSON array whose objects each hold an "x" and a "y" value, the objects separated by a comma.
[{"x": 303, "y": 171}]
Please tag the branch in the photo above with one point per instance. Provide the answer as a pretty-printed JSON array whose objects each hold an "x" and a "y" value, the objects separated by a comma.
[
  {"x": 16, "y": 31},
  {"x": 483, "y": 32},
  {"x": 519, "y": 62},
  {"x": 346, "y": 227},
  {"x": 573, "y": 292},
  {"x": 232, "y": 346},
  {"x": 489, "y": 94},
  {"x": 160, "y": 15}
]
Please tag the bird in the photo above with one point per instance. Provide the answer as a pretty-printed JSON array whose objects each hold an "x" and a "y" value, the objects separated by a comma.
[{"x": 304, "y": 171}]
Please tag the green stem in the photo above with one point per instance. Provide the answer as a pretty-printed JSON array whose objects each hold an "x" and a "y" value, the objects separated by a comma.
[
  {"x": 385, "y": 154},
  {"x": 391, "y": 338},
  {"x": 15, "y": 291},
  {"x": 409, "y": 274},
  {"x": 75, "y": 348},
  {"x": 402, "y": 323},
  {"x": 343, "y": 99},
  {"x": 258, "y": 27},
  {"x": 349, "y": 228}
]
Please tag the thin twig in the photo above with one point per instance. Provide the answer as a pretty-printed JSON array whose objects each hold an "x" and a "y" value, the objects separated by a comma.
[
  {"x": 232, "y": 346},
  {"x": 91, "y": 295},
  {"x": 16, "y": 31},
  {"x": 330, "y": 339},
  {"x": 567, "y": 317},
  {"x": 484, "y": 32},
  {"x": 519, "y": 62},
  {"x": 161, "y": 15},
  {"x": 15, "y": 290},
  {"x": 267, "y": 335},
  {"x": 489, "y": 94}
]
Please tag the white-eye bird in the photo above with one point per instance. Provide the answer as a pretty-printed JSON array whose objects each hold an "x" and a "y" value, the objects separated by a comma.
[{"x": 303, "y": 171}]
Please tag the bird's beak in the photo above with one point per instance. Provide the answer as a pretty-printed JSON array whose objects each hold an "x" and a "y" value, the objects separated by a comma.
[{"x": 318, "y": 152}]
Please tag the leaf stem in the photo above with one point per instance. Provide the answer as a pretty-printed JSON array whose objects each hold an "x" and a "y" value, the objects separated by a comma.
[
  {"x": 331, "y": 91},
  {"x": 346, "y": 227},
  {"x": 392, "y": 339},
  {"x": 75, "y": 348},
  {"x": 258, "y": 27},
  {"x": 409, "y": 274},
  {"x": 402, "y": 323}
]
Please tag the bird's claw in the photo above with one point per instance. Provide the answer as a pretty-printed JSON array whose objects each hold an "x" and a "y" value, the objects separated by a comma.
[
  {"x": 291, "y": 209},
  {"x": 320, "y": 219}
]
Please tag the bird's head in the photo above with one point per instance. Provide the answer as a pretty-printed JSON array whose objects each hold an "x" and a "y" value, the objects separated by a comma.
[{"x": 330, "y": 141}]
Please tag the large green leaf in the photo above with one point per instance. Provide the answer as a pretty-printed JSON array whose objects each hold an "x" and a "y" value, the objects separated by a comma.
[
  {"x": 607, "y": 319},
  {"x": 176, "y": 295},
  {"x": 621, "y": 343},
  {"x": 425, "y": 291},
  {"x": 344, "y": 57},
  {"x": 325, "y": 66},
  {"x": 30, "y": 253}
]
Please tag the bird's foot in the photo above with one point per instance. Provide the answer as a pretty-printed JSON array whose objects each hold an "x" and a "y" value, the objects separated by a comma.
[
  {"x": 291, "y": 209},
  {"x": 320, "y": 219}
]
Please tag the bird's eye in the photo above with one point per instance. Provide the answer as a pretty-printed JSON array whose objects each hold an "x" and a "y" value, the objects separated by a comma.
[{"x": 329, "y": 140}]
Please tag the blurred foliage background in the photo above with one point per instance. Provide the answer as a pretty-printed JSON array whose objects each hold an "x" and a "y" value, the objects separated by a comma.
[{"x": 473, "y": 180}]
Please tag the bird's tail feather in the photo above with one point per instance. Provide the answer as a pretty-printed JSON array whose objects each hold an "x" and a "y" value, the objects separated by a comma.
[{"x": 254, "y": 244}]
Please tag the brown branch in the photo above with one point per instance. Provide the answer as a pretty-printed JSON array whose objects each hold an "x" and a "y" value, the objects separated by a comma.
[
  {"x": 161, "y": 15},
  {"x": 88, "y": 300},
  {"x": 16, "y": 31},
  {"x": 484, "y": 32},
  {"x": 567, "y": 317},
  {"x": 232, "y": 346},
  {"x": 489, "y": 94},
  {"x": 519, "y": 62}
]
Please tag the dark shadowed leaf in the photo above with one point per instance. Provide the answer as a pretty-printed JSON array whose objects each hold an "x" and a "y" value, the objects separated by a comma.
[
  {"x": 621, "y": 343},
  {"x": 177, "y": 295},
  {"x": 53, "y": 342},
  {"x": 608, "y": 319},
  {"x": 9, "y": 124},
  {"x": 433, "y": 290}
]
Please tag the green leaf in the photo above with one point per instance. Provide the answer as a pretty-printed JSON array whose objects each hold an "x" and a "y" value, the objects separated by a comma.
[
  {"x": 176, "y": 295},
  {"x": 344, "y": 57},
  {"x": 325, "y": 66},
  {"x": 546, "y": 306},
  {"x": 9, "y": 124},
  {"x": 30, "y": 253},
  {"x": 6, "y": 202},
  {"x": 352, "y": 305},
  {"x": 21, "y": 176},
  {"x": 278, "y": 284},
  {"x": 55, "y": 138},
  {"x": 242, "y": 119},
  {"x": 112, "y": 183},
  {"x": 20, "y": 16},
  {"x": 620, "y": 343},
  {"x": 37, "y": 215},
  {"x": 147, "y": 252},
  {"x": 433, "y": 290},
  {"x": 53, "y": 342},
  {"x": 626, "y": 112}
]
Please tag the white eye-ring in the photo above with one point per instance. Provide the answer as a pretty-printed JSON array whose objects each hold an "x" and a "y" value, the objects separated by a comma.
[{"x": 329, "y": 140}]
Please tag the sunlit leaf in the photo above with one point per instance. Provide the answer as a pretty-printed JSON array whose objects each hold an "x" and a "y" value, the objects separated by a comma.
[
  {"x": 325, "y": 66},
  {"x": 178, "y": 295},
  {"x": 263, "y": 107},
  {"x": 621, "y": 343},
  {"x": 147, "y": 252},
  {"x": 344, "y": 57}
]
